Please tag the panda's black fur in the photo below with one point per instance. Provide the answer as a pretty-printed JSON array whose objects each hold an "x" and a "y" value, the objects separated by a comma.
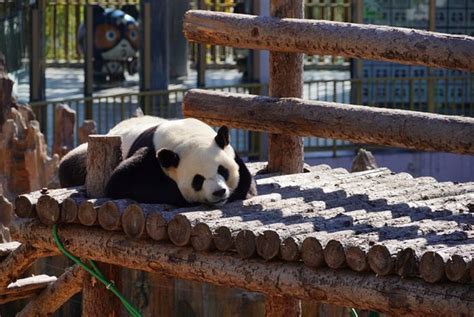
[{"x": 140, "y": 177}]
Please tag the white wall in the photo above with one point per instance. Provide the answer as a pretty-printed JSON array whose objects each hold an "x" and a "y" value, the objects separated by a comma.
[{"x": 442, "y": 166}]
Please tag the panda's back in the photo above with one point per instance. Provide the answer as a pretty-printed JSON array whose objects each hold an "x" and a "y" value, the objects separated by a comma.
[{"x": 136, "y": 132}]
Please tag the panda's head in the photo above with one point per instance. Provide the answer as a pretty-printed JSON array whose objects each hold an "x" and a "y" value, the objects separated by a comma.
[{"x": 205, "y": 169}]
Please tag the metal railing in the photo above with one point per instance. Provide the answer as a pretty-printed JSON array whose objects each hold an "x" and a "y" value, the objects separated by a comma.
[
  {"x": 449, "y": 95},
  {"x": 108, "y": 110},
  {"x": 62, "y": 21}
]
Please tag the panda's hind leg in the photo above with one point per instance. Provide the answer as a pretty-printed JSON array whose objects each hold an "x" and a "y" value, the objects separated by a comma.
[{"x": 72, "y": 168}]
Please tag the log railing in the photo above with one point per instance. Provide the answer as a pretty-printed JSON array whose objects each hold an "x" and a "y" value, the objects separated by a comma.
[
  {"x": 384, "y": 43},
  {"x": 292, "y": 116}
]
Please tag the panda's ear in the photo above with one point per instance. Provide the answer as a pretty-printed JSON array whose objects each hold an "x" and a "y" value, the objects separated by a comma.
[
  {"x": 98, "y": 12},
  {"x": 222, "y": 138},
  {"x": 167, "y": 158}
]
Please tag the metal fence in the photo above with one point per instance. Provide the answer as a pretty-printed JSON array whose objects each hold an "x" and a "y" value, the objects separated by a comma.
[
  {"x": 64, "y": 17},
  {"x": 449, "y": 95},
  {"x": 108, "y": 110},
  {"x": 62, "y": 21}
]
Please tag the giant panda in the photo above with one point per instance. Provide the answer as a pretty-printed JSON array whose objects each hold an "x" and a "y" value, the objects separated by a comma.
[{"x": 181, "y": 162}]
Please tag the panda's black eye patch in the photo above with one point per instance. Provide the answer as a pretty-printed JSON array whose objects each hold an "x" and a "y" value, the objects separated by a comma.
[
  {"x": 224, "y": 172},
  {"x": 198, "y": 180}
]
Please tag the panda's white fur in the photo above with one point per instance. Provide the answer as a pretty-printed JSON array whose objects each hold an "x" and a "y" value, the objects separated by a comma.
[
  {"x": 131, "y": 128},
  {"x": 199, "y": 154}
]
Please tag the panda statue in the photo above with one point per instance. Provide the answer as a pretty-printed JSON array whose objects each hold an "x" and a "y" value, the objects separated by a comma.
[
  {"x": 180, "y": 162},
  {"x": 115, "y": 46}
]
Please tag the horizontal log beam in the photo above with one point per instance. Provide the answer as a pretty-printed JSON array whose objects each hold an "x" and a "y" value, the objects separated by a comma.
[
  {"x": 25, "y": 287},
  {"x": 390, "y": 295},
  {"x": 18, "y": 261},
  {"x": 360, "y": 124},
  {"x": 56, "y": 294},
  {"x": 316, "y": 37}
]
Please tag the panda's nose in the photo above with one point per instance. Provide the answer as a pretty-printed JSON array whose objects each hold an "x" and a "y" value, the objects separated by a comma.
[{"x": 219, "y": 193}]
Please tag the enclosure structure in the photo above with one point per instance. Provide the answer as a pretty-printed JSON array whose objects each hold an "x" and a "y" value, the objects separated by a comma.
[{"x": 375, "y": 240}]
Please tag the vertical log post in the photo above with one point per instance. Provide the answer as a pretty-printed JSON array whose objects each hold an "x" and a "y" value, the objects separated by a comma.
[
  {"x": 103, "y": 155},
  {"x": 286, "y": 153},
  {"x": 64, "y": 122}
]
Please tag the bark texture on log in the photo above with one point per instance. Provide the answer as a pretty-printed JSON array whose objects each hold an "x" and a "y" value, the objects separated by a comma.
[
  {"x": 363, "y": 161},
  {"x": 87, "y": 128},
  {"x": 103, "y": 156},
  {"x": 64, "y": 123},
  {"x": 96, "y": 299},
  {"x": 286, "y": 152},
  {"x": 25, "y": 165},
  {"x": 385, "y": 294},
  {"x": 56, "y": 294},
  {"x": 6, "y": 213},
  {"x": 18, "y": 261},
  {"x": 281, "y": 306},
  {"x": 25, "y": 287},
  {"x": 399, "y": 128},
  {"x": 317, "y": 37}
]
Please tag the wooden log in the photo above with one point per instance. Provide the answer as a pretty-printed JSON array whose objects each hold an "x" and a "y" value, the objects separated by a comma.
[
  {"x": 25, "y": 205},
  {"x": 290, "y": 249},
  {"x": 406, "y": 263},
  {"x": 48, "y": 205},
  {"x": 110, "y": 213},
  {"x": 285, "y": 152},
  {"x": 18, "y": 261},
  {"x": 6, "y": 211},
  {"x": 381, "y": 260},
  {"x": 457, "y": 268},
  {"x": 206, "y": 232},
  {"x": 64, "y": 123},
  {"x": 156, "y": 223},
  {"x": 391, "y": 127},
  {"x": 312, "y": 252},
  {"x": 334, "y": 254},
  {"x": 87, "y": 128},
  {"x": 70, "y": 208},
  {"x": 140, "y": 220},
  {"x": 88, "y": 210},
  {"x": 56, "y": 293},
  {"x": 103, "y": 155},
  {"x": 363, "y": 161},
  {"x": 432, "y": 266},
  {"x": 48, "y": 210},
  {"x": 318, "y": 37},
  {"x": 25, "y": 287},
  {"x": 356, "y": 259},
  {"x": 96, "y": 299},
  {"x": 281, "y": 306},
  {"x": 388, "y": 294}
]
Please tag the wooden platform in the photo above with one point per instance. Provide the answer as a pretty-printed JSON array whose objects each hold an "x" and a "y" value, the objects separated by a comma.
[{"x": 373, "y": 221}]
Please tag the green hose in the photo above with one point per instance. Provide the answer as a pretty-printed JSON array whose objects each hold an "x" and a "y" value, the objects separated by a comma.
[{"x": 94, "y": 271}]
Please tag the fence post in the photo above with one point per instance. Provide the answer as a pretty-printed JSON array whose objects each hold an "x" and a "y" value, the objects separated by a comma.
[
  {"x": 156, "y": 49},
  {"x": 286, "y": 153},
  {"x": 89, "y": 59},
  {"x": 37, "y": 59},
  {"x": 201, "y": 55},
  {"x": 103, "y": 155}
]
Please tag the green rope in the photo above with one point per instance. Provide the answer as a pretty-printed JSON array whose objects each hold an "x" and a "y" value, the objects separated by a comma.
[{"x": 94, "y": 271}]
